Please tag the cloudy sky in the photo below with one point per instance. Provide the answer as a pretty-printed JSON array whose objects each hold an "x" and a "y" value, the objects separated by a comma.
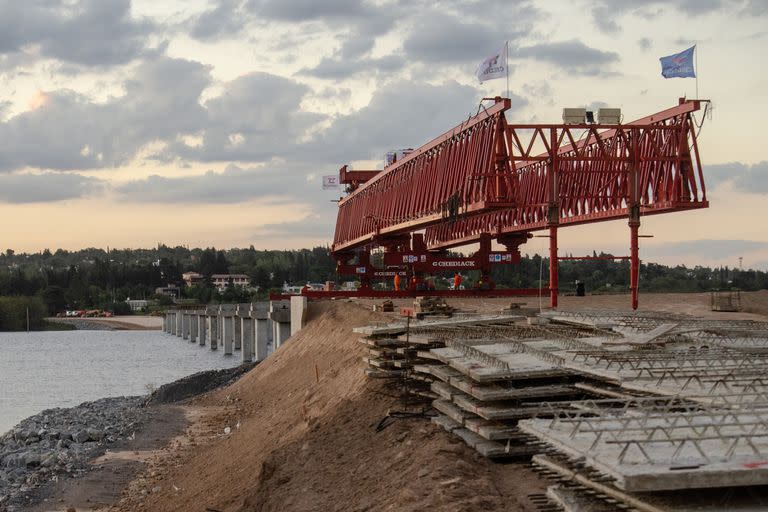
[{"x": 211, "y": 122}]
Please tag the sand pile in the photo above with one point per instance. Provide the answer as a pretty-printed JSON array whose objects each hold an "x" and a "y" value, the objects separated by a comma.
[{"x": 302, "y": 437}]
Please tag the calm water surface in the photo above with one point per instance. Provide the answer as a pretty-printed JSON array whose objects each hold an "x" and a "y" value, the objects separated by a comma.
[{"x": 40, "y": 370}]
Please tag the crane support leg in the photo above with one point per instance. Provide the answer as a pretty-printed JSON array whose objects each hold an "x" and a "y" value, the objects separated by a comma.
[
  {"x": 634, "y": 260},
  {"x": 553, "y": 265}
]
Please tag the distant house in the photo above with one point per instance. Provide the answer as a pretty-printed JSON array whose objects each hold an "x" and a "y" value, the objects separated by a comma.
[
  {"x": 224, "y": 281},
  {"x": 170, "y": 290},
  {"x": 192, "y": 278},
  {"x": 137, "y": 304}
]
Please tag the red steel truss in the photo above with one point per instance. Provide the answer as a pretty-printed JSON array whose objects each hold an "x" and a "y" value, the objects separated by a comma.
[{"x": 486, "y": 177}]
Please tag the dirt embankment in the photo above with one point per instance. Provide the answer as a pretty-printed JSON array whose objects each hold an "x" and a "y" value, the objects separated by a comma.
[
  {"x": 298, "y": 432},
  {"x": 302, "y": 437}
]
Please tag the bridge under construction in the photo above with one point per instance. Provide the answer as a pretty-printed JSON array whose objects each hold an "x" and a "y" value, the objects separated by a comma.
[{"x": 488, "y": 180}]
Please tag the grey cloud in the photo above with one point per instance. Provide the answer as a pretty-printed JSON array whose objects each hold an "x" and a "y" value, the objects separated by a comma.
[
  {"x": 756, "y": 8},
  {"x": 443, "y": 38},
  {"x": 400, "y": 114},
  {"x": 573, "y": 56},
  {"x": 308, "y": 10},
  {"x": 605, "y": 13},
  {"x": 256, "y": 118},
  {"x": 339, "y": 68},
  {"x": 45, "y": 187},
  {"x": 71, "y": 132},
  {"x": 233, "y": 185},
  {"x": 645, "y": 43},
  {"x": 86, "y": 32},
  {"x": 752, "y": 179},
  {"x": 226, "y": 19}
]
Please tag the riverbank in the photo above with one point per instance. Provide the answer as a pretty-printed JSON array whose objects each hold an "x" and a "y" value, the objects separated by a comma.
[
  {"x": 115, "y": 323},
  {"x": 66, "y": 457}
]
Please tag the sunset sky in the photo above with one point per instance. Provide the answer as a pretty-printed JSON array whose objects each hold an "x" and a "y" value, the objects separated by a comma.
[{"x": 212, "y": 122}]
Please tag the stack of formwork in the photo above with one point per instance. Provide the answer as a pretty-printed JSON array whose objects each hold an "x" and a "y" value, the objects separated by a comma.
[{"x": 490, "y": 376}]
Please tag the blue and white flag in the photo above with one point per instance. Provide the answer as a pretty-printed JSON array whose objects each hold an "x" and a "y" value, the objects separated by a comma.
[
  {"x": 494, "y": 66},
  {"x": 679, "y": 65}
]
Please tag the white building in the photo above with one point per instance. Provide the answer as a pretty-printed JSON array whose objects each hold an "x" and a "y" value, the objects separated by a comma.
[
  {"x": 224, "y": 281},
  {"x": 137, "y": 304}
]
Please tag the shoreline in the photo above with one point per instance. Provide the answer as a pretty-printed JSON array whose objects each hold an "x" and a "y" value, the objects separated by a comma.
[
  {"x": 115, "y": 323},
  {"x": 50, "y": 457}
]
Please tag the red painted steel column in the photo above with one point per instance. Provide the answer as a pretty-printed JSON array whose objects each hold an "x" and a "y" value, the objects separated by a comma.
[
  {"x": 553, "y": 214},
  {"x": 634, "y": 260},
  {"x": 553, "y": 265},
  {"x": 634, "y": 217}
]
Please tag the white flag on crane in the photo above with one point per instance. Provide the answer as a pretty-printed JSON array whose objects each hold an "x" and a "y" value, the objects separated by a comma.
[
  {"x": 331, "y": 182},
  {"x": 494, "y": 66}
]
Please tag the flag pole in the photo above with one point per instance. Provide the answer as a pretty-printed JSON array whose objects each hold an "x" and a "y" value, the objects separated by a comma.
[
  {"x": 696, "y": 55},
  {"x": 506, "y": 64}
]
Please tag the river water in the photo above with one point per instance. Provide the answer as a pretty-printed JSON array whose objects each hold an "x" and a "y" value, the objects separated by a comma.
[{"x": 41, "y": 370}]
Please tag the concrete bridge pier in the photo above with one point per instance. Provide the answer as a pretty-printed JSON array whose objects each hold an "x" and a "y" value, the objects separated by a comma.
[
  {"x": 193, "y": 326},
  {"x": 237, "y": 331},
  {"x": 248, "y": 342},
  {"x": 298, "y": 313},
  {"x": 201, "y": 326},
  {"x": 213, "y": 329},
  {"x": 177, "y": 324},
  {"x": 184, "y": 326},
  {"x": 228, "y": 334},
  {"x": 262, "y": 330},
  {"x": 280, "y": 314}
]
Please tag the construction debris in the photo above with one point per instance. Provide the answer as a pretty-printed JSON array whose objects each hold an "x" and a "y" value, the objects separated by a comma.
[{"x": 431, "y": 306}]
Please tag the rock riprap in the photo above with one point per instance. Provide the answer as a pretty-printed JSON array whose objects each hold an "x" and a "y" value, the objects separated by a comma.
[{"x": 60, "y": 442}]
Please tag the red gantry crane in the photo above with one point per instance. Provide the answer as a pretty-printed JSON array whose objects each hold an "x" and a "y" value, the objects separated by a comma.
[{"x": 486, "y": 179}]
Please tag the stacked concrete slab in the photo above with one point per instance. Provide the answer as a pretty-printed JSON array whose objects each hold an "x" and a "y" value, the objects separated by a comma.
[{"x": 640, "y": 411}]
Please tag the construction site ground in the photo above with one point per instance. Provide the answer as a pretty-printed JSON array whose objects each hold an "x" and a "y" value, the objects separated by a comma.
[{"x": 298, "y": 432}]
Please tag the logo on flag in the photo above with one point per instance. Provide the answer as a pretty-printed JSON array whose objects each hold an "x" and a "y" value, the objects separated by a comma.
[
  {"x": 679, "y": 65},
  {"x": 494, "y": 66},
  {"x": 330, "y": 182}
]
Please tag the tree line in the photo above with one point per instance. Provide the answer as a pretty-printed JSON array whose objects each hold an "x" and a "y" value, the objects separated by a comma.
[{"x": 105, "y": 278}]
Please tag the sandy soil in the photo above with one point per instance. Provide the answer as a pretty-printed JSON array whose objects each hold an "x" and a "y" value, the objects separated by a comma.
[
  {"x": 303, "y": 438},
  {"x": 131, "y": 322}
]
